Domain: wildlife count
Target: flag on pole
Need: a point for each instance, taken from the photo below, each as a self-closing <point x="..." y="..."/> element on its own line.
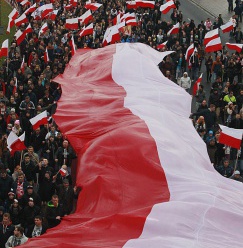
<point x="28" y="30"/>
<point x="213" y="34"/>
<point x="22" y="19"/>
<point x="189" y="51"/>
<point x="162" y="45"/>
<point x="92" y="6"/>
<point x="131" y="5"/>
<point x="234" y="46"/>
<point x="165" y="8"/>
<point x="72" y="23"/>
<point x="46" y="56"/>
<point x="227" y="27"/>
<point x="20" y="36"/>
<point x="22" y="65"/>
<point x="196" y="85"/>
<point x="214" y="45"/>
<point x="39" y="120"/>
<point x="63" y="172"/>
<point x="31" y="9"/>
<point x="145" y="4"/>
<point x="12" y="16"/>
<point x="230" y="136"/>
<point x="87" y="30"/>
<point x="174" y="29"/>
<point x="15" y="143"/>
<point x="72" y="46"/>
<point x="4" y="49"/>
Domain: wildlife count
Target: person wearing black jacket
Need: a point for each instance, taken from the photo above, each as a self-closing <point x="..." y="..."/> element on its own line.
<point x="6" y="229"/>
<point x="37" y="229"/>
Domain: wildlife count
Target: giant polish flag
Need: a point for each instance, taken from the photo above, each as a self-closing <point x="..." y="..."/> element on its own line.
<point x="213" y="34"/>
<point x="214" y="45"/>
<point x="39" y="120"/>
<point x="230" y="136"/>
<point x="120" y="115"/>
<point x="234" y="46"/>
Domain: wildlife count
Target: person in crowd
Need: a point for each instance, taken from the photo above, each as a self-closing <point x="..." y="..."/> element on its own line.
<point x="6" y="182"/>
<point x="237" y="177"/>
<point x="36" y="229"/>
<point x="17" y="239"/>
<point x="16" y="213"/>
<point x="30" y="194"/>
<point x="226" y="169"/>
<point x="185" y="82"/>
<point x="6" y="229"/>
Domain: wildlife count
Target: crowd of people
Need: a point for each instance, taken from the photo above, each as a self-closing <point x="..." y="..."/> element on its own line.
<point x="36" y="188"/>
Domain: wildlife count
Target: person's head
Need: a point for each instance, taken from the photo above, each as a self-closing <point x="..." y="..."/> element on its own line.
<point x="226" y="163"/>
<point x="48" y="174"/>
<point x="30" y="149"/>
<point x="45" y="162"/>
<point x="15" y="203"/>
<point x="55" y="200"/>
<point x="204" y="103"/>
<point x="65" y="183"/>
<point x="231" y="93"/>
<point x="210" y="133"/>
<point x="185" y="74"/>
<point x="201" y="87"/>
<point x="27" y="98"/>
<point x="27" y="159"/>
<point x="21" y="177"/>
<point x="212" y="107"/>
<point x="30" y="189"/>
<point x="31" y="202"/>
<point x="18" y="231"/>
<point x="6" y="219"/>
<point x="65" y="144"/>
<point x="237" y="174"/>
<point x="38" y="220"/>
<point x="3" y="173"/>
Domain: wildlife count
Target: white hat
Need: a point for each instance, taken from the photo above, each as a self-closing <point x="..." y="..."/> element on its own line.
<point x="237" y="172"/>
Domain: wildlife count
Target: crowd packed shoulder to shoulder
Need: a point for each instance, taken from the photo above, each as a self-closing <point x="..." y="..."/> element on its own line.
<point x="34" y="194"/>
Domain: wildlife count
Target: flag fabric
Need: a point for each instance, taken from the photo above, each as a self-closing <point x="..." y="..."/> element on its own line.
<point x="22" y="65"/>
<point x="92" y="6"/>
<point x="46" y="56"/>
<point x="132" y="22"/>
<point x="196" y="85"/>
<point x="227" y="27"/>
<point x="189" y="52"/>
<point x="174" y="29"/>
<point x="53" y="15"/>
<point x="15" y="143"/>
<point x="230" y="136"/>
<point x="22" y="19"/>
<point x="25" y="3"/>
<point x="12" y="16"/>
<point x="136" y="191"/>
<point x="20" y="36"/>
<point x="214" y="45"/>
<point x="39" y="120"/>
<point x="72" y="46"/>
<point x="111" y="35"/>
<point x="131" y="5"/>
<point x="145" y="4"/>
<point x="63" y="172"/>
<point x="31" y="9"/>
<point x="86" y="17"/>
<point x="43" y="29"/>
<point x="162" y="45"/>
<point x="28" y="30"/>
<point x="211" y="35"/>
<point x="72" y="23"/>
<point x="165" y="8"/>
<point x="4" y="49"/>
<point x="234" y="46"/>
<point x="74" y="3"/>
<point x="87" y="30"/>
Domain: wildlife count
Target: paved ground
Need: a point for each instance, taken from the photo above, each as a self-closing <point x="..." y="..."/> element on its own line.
<point x="215" y="7"/>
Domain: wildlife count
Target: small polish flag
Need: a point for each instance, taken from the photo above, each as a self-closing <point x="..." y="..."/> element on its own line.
<point x="214" y="45"/>
<point x="25" y="3"/>
<point x="22" y="65"/>
<point x="74" y="3"/>
<point x="234" y="46"/>
<point x="165" y="8"/>
<point x="230" y="136"/>
<point x="189" y="51"/>
<point x="46" y="9"/>
<point x="43" y="28"/>
<point x="72" y="23"/>
<point x="174" y="30"/>
<point x="92" y="6"/>
<point x="211" y="35"/>
<point x="162" y="45"/>
<point x="46" y="56"/>
<point x="53" y="15"/>
<point x="196" y="85"/>
<point x="68" y="7"/>
<point x="131" y="4"/>
<point x="63" y="172"/>
<point x="4" y="49"/>
<point x="22" y="19"/>
<point x="31" y="9"/>
<point x="87" y="30"/>
<point x="86" y="17"/>
<point x="227" y="27"/>
<point x="15" y="85"/>
<point x="20" y="36"/>
<point x="38" y="120"/>
<point x="15" y="143"/>
<point x="145" y="4"/>
<point x="72" y="45"/>
<point x="28" y="29"/>
<point x="12" y="16"/>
